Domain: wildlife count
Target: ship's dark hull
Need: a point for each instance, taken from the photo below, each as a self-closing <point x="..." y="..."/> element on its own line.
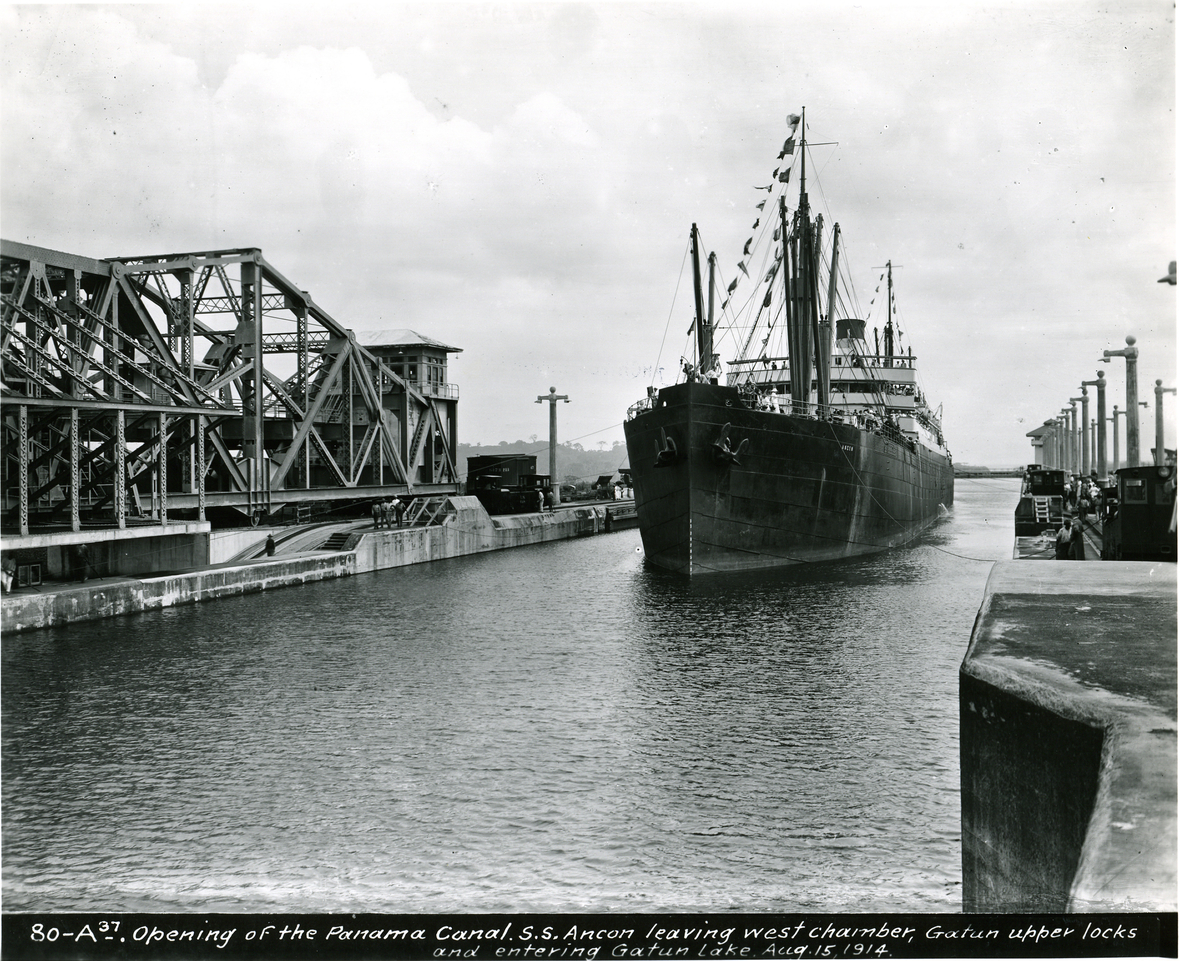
<point x="799" y="491"/>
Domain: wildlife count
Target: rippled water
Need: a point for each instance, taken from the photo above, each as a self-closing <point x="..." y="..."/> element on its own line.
<point x="554" y="728"/>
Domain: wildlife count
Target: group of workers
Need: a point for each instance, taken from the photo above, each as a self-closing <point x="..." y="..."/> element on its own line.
<point x="1071" y="541"/>
<point x="706" y="373"/>
<point x="1082" y="496"/>
<point x="386" y="513"/>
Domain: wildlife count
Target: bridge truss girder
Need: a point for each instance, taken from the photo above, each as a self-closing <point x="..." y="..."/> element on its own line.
<point x="197" y="373"/>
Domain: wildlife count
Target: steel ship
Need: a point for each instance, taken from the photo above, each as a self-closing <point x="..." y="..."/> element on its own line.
<point x="814" y="446"/>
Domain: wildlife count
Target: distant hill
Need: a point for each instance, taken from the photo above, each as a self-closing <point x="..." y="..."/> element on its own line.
<point x="575" y="463"/>
<point x="971" y="470"/>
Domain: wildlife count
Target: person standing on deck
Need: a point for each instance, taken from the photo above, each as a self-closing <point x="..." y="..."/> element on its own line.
<point x="1063" y="539"/>
<point x="1077" y="542"/>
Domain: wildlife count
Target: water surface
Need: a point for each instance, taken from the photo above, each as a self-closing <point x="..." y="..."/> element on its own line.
<point x="554" y="728"/>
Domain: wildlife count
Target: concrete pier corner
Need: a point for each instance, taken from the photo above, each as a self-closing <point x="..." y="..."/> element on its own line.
<point x="1067" y="702"/>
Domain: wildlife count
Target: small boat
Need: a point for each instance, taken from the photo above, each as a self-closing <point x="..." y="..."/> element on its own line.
<point x="1042" y="501"/>
<point x="816" y="445"/>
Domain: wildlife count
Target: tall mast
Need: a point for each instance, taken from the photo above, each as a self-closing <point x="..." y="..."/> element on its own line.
<point x="804" y="285"/>
<point x="704" y="337"/>
<point x="802" y="158"/>
<point x="814" y="344"/>
<point x="824" y="350"/>
<point x="788" y="293"/>
<point x="712" y="293"/>
<point x="889" y="316"/>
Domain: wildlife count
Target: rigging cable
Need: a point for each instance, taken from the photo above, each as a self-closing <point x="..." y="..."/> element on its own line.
<point x="655" y="370"/>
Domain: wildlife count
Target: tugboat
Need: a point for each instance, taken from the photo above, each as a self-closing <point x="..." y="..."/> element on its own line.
<point x="1042" y="501"/>
<point x="1039" y="513"/>
<point x="816" y="448"/>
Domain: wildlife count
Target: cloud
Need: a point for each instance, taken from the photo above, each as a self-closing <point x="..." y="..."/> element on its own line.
<point x="519" y="180"/>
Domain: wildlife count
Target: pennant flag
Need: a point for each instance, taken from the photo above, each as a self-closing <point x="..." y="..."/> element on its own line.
<point x="771" y="187"/>
<point x="776" y="232"/>
<point x="789" y="146"/>
<point x="766" y="302"/>
<point x="761" y="205"/>
<point x="732" y="286"/>
<point x="742" y="268"/>
<point x="770" y="273"/>
<point x="756" y="220"/>
<point x="782" y="153"/>
<point x="724" y="304"/>
<point x="785" y="176"/>
<point x="691" y="327"/>
<point x="746" y="249"/>
<point x="793" y="121"/>
<point x="776" y="170"/>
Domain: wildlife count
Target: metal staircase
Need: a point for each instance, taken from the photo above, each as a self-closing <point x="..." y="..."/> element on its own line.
<point x="424" y="421"/>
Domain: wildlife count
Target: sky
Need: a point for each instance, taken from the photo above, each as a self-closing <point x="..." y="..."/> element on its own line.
<point x="518" y="179"/>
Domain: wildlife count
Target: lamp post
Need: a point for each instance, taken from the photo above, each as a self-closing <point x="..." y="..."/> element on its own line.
<point x="1083" y="433"/>
<point x="1100" y="421"/>
<point x="1145" y="406"/>
<point x="1131" y="353"/>
<point x="553" y="397"/>
<point x="1050" y="445"/>
<point x="1047" y="444"/>
<point x="1114" y="420"/>
<point x="1074" y="453"/>
<point x="1160" y="390"/>
<point x="1067" y="437"/>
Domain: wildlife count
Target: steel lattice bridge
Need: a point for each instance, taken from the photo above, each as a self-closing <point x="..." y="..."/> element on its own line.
<point x="135" y="388"/>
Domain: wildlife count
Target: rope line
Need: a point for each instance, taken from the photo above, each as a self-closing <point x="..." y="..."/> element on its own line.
<point x="671" y="308"/>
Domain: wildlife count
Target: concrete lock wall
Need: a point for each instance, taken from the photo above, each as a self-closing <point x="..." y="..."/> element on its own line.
<point x="98" y="600"/>
<point x="102" y="557"/>
<point x="1067" y="701"/>
<point x="466" y="529"/>
<point x="1029" y="781"/>
<point x="169" y="552"/>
